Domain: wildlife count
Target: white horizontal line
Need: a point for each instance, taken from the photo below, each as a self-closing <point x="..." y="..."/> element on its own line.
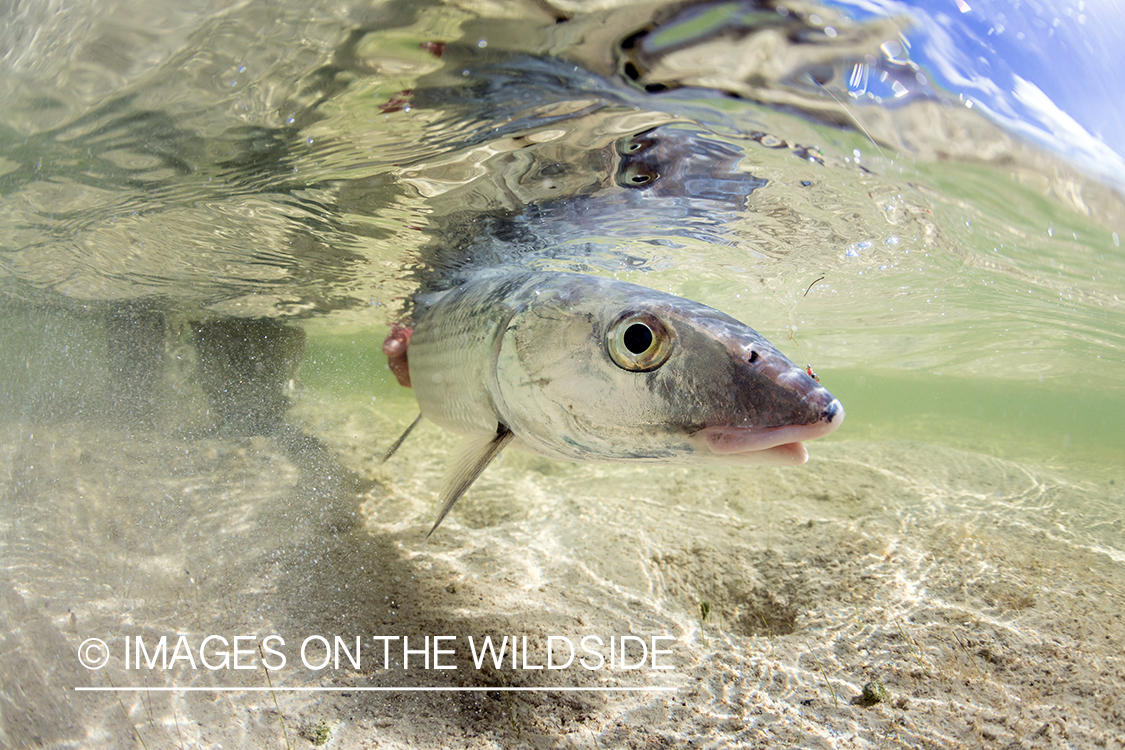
<point x="286" y="689"/>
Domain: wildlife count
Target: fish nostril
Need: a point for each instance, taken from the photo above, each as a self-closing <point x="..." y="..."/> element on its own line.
<point x="753" y="357"/>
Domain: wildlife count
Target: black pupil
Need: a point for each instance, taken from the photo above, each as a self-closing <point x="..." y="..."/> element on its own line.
<point x="638" y="338"/>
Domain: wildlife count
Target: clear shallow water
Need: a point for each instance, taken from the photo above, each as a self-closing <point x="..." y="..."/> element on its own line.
<point x="958" y="289"/>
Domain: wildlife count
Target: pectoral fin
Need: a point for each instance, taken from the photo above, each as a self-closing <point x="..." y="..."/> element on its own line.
<point x="475" y="456"/>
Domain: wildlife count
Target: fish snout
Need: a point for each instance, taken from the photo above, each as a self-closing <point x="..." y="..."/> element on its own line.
<point x="766" y="365"/>
<point x="778" y="406"/>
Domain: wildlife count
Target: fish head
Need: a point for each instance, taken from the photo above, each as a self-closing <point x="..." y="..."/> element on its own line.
<point x="597" y="369"/>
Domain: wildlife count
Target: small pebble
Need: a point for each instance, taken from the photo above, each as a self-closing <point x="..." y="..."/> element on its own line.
<point x="875" y="692"/>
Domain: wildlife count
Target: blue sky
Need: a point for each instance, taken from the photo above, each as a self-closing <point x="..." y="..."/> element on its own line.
<point x="1052" y="71"/>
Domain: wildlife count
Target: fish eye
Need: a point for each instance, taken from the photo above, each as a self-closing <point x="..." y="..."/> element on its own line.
<point x="639" y="342"/>
<point x="636" y="175"/>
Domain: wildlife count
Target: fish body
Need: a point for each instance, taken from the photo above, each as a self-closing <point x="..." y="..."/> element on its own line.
<point x="583" y="368"/>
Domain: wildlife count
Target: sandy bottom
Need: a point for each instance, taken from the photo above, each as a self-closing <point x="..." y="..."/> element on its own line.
<point x="986" y="597"/>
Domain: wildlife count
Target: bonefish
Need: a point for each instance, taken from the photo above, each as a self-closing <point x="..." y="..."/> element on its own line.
<point x="584" y="368"/>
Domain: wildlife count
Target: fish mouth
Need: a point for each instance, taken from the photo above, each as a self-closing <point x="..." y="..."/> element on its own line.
<point x="770" y="445"/>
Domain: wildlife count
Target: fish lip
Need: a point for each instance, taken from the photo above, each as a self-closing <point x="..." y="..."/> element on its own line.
<point x="781" y="444"/>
